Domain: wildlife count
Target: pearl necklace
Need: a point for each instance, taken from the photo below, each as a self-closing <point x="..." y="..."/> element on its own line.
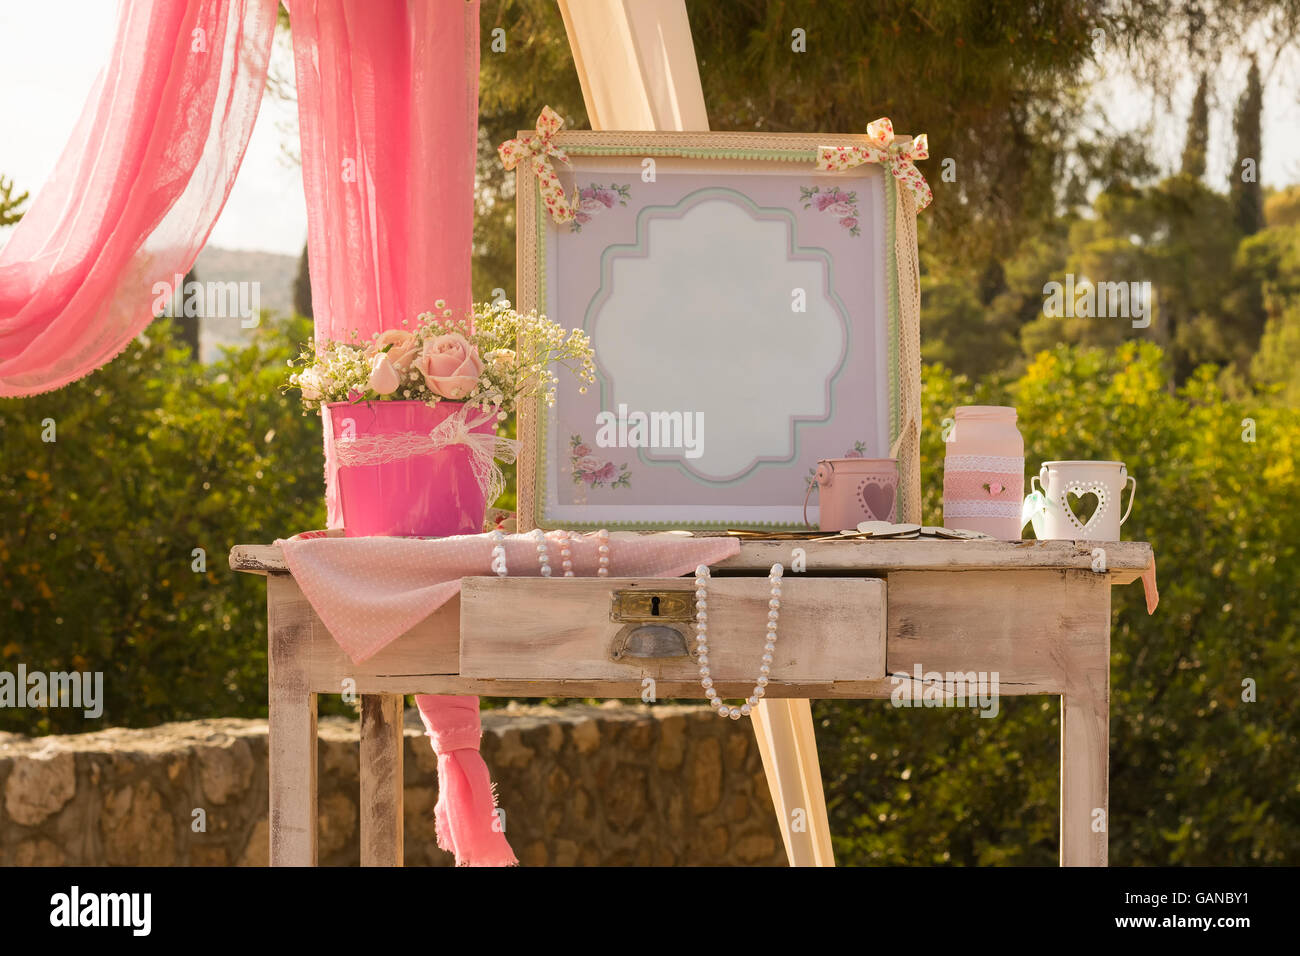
<point x="539" y="538"/>
<point x="702" y="643"/>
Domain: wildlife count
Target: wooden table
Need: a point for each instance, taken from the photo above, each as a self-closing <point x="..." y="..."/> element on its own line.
<point x="1035" y="613"/>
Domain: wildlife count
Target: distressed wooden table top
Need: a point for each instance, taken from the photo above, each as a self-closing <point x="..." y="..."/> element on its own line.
<point x="1125" y="560"/>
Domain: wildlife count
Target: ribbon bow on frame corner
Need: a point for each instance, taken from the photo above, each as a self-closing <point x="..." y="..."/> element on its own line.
<point x="899" y="154"/>
<point x="536" y="148"/>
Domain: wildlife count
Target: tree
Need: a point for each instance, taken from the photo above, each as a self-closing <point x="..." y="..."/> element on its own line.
<point x="121" y="497"/>
<point x="1198" y="124"/>
<point x="1244" y="188"/>
<point x="188" y="326"/>
<point x="1176" y="236"/>
<point x="302" y="286"/>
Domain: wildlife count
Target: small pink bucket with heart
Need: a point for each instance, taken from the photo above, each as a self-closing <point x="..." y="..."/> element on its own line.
<point x="853" y="490"/>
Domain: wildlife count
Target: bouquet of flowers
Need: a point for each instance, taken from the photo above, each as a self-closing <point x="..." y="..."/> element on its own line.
<point x="488" y="360"/>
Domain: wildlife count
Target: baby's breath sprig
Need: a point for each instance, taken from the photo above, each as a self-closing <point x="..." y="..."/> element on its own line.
<point x="517" y="354"/>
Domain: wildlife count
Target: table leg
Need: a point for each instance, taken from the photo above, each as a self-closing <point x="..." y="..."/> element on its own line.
<point x="1085" y="758"/>
<point x="1085" y="743"/>
<point x="788" y="745"/>
<point x="291" y="725"/>
<point x="381" y="779"/>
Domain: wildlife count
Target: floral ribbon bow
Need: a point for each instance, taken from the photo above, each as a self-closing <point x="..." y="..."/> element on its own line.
<point x="485" y="449"/>
<point x="538" y="148"/>
<point x="885" y="149"/>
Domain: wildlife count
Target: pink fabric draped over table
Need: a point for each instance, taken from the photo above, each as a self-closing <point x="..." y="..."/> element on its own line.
<point x="370" y="591"/>
<point x="136" y="190"/>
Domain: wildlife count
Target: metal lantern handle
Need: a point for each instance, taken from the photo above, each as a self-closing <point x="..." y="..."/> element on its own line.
<point x="1131" y="495"/>
<point x="817" y="480"/>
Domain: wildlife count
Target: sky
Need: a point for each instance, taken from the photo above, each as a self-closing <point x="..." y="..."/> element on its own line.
<point x="45" y="75"/>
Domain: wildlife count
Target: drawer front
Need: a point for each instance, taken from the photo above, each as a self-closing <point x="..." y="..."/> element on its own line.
<point x="831" y="629"/>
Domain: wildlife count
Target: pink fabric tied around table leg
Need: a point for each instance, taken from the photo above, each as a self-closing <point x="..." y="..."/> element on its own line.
<point x="467" y="823"/>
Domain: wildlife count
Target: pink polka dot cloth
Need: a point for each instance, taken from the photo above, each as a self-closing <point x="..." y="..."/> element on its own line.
<point x="371" y="591"/>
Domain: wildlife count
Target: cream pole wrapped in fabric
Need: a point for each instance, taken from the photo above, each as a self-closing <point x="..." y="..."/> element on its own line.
<point x="636" y="64"/>
<point x="662" y="91"/>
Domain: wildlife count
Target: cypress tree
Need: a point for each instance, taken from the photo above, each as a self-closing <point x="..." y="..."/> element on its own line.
<point x="1247" y="196"/>
<point x="302" y="287"/>
<point x="1197" y="125"/>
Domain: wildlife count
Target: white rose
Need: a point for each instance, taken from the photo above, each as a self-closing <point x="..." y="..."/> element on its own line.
<point x="310" y="383"/>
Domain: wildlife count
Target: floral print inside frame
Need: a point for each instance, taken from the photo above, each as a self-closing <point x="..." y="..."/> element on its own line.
<point x="834" y="202"/>
<point x="595" y="199"/>
<point x="591" y="471"/>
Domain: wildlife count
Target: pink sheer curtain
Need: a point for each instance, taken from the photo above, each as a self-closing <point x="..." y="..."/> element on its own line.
<point x="137" y="189"/>
<point x="388" y="117"/>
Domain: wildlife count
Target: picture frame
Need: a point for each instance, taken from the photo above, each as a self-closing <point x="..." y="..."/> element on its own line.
<point x="725" y="279"/>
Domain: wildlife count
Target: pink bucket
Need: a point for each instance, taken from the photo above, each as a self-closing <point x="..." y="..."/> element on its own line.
<point x="433" y="494"/>
<point x="853" y="490"/>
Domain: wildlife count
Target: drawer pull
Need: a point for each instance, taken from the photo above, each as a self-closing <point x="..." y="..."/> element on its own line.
<point x="649" y="640"/>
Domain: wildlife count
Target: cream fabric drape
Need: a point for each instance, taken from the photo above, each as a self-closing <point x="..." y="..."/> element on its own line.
<point x="636" y="63"/>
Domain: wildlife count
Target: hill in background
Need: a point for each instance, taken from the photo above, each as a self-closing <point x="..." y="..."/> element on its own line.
<point x="274" y="273"/>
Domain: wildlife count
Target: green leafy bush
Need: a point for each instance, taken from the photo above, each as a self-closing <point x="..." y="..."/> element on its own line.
<point x="154" y="456"/>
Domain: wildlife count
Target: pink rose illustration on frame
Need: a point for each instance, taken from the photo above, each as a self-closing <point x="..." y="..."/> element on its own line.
<point x="591" y="471"/>
<point x="595" y="199"/>
<point x="834" y="202"/>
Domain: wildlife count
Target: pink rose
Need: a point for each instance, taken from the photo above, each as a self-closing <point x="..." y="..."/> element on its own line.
<point x="595" y="198"/>
<point x="822" y="200"/>
<point x="582" y="217"/>
<point x="384" y="378"/>
<point x="404" y="348"/>
<point x="840" y="209"/>
<point x="581" y="451"/>
<point x="606" y="472"/>
<point x="848" y="222"/>
<point x="450" y="365"/>
<point x="586" y="466"/>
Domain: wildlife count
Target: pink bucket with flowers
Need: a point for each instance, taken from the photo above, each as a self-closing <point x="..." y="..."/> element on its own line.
<point x="410" y="417"/>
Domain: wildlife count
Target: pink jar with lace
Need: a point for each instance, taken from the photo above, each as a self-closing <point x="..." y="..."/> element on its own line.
<point x="984" y="472"/>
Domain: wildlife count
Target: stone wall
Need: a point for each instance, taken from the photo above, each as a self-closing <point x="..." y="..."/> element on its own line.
<point x="594" y="786"/>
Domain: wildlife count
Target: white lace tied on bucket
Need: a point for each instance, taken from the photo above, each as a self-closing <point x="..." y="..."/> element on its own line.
<point x="484" y="449"/>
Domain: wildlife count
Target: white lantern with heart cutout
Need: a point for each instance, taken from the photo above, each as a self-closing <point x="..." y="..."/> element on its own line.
<point x="1067" y="485"/>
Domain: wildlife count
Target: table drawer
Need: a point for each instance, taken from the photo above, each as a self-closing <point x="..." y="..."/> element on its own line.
<point x="831" y="629"/>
